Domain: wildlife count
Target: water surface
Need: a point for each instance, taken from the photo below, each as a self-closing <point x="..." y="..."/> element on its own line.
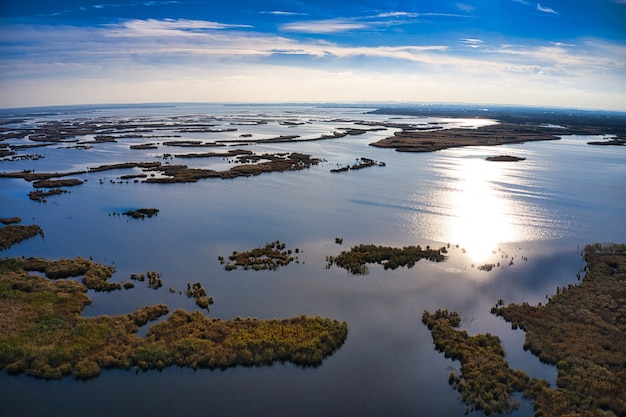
<point x="543" y="209"/>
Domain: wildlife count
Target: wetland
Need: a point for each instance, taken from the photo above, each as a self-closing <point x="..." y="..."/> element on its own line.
<point x="71" y="311"/>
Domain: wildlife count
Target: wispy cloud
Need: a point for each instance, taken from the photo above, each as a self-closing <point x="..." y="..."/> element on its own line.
<point x="323" y="26"/>
<point x="465" y="7"/>
<point x="216" y="55"/>
<point x="471" y="42"/>
<point x="546" y="9"/>
<point x="368" y="22"/>
<point x="284" y="13"/>
<point x="397" y="14"/>
<point x="168" y="27"/>
<point x="195" y="43"/>
<point x="541" y="8"/>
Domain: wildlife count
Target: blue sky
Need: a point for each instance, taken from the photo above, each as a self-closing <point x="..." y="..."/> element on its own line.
<point x="567" y="53"/>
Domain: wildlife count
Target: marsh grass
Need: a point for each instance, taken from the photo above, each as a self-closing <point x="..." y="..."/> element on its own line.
<point x="13" y="233"/>
<point x="355" y="259"/>
<point x="269" y="257"/>
<point x="42" y="333"/>
<point x="581" y="330"/>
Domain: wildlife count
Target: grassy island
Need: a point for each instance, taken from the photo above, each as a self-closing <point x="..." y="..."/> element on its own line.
<point x="141" y="213"/>
<point x="361" y="163"/>
<point x="42" y="196"/>
<point x="13" y="233"/>
<point x="70" y="182"/>
<point x="198" y="292"/>
<point x="505" y="158"/>
<point x="355" y="259"/>
<point x="581" y="330"/>
<point x="42" y="333"/>
<point x="272" y="256"/>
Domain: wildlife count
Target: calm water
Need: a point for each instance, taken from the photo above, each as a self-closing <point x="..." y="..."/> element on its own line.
<point x="546" y="208"/>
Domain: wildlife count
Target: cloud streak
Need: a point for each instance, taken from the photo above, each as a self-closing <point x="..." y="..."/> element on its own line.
<point x="545" y="9"/>
<point x="323" y="26"/>
<point x="168" y="27"/>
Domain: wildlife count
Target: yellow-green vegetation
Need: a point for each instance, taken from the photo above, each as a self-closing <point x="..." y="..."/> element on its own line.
<point x="13" y="233"/>
<point x="155" y="279"/>
<point x="355" y="259"/>
<point x="486" y="382"/>
<point x="95" y="275"/>
<point x="42" y="333"/>
<point x="198" y="292"/>
<point x="581" y="330"/>
<point x="272" y="256"/>
<point x="191" y="339"/>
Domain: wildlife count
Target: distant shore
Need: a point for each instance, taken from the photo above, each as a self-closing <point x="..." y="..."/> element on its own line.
<point x="410" y="140"/>
<point x="514" y="127"/>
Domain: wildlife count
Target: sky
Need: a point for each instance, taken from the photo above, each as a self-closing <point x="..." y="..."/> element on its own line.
<point x="563" y="53"/>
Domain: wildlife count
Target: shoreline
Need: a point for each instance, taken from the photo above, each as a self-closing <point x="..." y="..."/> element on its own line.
<point x="411" y="140"/>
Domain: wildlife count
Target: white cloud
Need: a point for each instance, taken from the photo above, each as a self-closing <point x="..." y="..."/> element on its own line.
<point x="284" y="13"/>
<point x="397" y="14"/>
<point x="170" y="60"/>
<point x="472" y="42"/>
<point x="323" y="26"/>
<point x="545" y="9"/>
<point x="167" y="27"/>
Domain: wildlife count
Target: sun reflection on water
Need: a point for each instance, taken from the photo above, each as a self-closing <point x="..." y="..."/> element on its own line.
<point x="480" y="215"/>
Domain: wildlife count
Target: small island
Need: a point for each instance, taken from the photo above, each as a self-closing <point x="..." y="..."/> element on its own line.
<point x="42" y="196"/>
<point x="10" y="234"/>
<point x="269" y="257"/>
<point x="504" y="158"/>
<point x="617" y="141"/>
<point x="355" y="259"/>
<point x="361" y="163"/>
<point x="141" y="213"/>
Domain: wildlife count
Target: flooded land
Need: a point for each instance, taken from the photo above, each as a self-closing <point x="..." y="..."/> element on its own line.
<point x="226" y="256"/>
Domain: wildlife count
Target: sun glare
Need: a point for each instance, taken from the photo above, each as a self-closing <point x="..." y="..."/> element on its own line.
<point x="480" y="218"/>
